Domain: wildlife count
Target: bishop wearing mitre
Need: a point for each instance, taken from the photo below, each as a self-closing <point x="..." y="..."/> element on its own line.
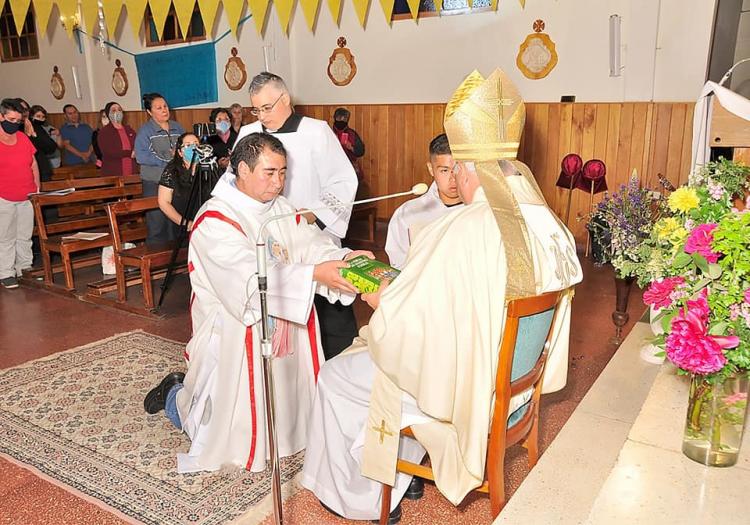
<point x="429" y="356"/>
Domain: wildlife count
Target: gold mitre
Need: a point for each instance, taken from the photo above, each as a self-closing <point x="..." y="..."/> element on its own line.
<point x="484" y="118"/>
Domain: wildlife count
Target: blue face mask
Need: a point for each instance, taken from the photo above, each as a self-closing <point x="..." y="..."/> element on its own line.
<point x="222" y="126"/>
<point x="187" y="153"/>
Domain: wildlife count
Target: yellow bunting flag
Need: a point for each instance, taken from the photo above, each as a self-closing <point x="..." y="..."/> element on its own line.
<point x="439" y="5"/>
<point x="136" y="11"/>
<point x="493" y="5"/>
<point x="334" y="6"/>
<point x="112" y="10"/>
<point x="360" y="6"/>
<point x="234" y="9"/>
<point x="387" y="7"/>
<point x="90" y="13"/>
<point x="208" y="14"/>
<point x="68" y="12"/>
<point x="310" y="9"/>
<point x="414" y="7"/>
<point x="19" y="8"/>
<point x="523" y="3"/>
<point x="42" y="10"/>
<point x="184" y="11"/>
<point x="159" y="11"/>
<point x="284" y="12"/>
<point x="258" y="8"/>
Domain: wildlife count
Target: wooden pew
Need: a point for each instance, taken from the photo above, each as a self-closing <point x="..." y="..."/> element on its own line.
<point x="146" y="257"/>
<point x="88" y="183"/>
<point x="51" y="235"/>
<point x="80" y="171"/>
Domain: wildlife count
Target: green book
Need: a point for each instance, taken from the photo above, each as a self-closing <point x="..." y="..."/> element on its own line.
<point x="366" y="274"/>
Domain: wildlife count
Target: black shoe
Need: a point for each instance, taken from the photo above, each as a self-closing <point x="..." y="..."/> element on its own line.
<point x="157" y="397"/>
<point x="394" y="517"/>
<point x="415" y="490"/>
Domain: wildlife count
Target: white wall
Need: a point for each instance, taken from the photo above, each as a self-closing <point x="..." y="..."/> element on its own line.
<point x="665" y="50"/>
<point x="30" y="79"/>
<point x="424" y="62"/>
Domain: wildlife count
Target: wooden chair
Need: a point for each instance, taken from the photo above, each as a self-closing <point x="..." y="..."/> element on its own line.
<point x="523" y="355"/>
<point x="52" y="236"/>
<point x="145" y="257"/>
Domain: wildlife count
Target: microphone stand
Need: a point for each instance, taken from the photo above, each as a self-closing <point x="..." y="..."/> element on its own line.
<point x="265" y="342"/>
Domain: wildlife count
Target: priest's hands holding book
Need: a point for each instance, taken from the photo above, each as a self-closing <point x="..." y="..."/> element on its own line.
<point x="329" y="274"/>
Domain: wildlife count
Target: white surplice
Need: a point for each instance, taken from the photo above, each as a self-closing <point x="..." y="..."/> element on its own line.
<point x="409" y="219"/>
<point x="222" y="405"/>
<point x="318" y="171"/>
<point x="456" y="265"/>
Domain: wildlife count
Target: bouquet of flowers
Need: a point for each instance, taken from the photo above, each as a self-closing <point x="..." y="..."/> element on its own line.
<point x="696" y="262"/>
<point x="629" y="215"/>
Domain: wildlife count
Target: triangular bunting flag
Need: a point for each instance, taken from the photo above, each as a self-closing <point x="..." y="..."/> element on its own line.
<point x="258" y="8"/>
<point x="310" y="9"/>
<point x="334" y="6"/>
<point x="439" y="6"/>
<point x="284" y="12"/>
<point x="208" y="14"/>
<point x="90" y="13"/>
<point x="42" y="10"/>
<point x="136" y="12"/>
<point x="360" y="6"/>
<point x="523" y="3"/>
<point x="184" y="11"/>
<point x="19" y="8"/>
<point x="387" y="7"/>
<point x="159" y="12"/>
<point x="233" y="9"/>
<point x="414" y="7"/>
<point x="112" y="10"/>
<point x="68" y="9"/>
<point x="493" y="5"/>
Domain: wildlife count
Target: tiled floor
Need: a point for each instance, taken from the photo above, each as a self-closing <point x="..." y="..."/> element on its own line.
<point x="34" y="324"/>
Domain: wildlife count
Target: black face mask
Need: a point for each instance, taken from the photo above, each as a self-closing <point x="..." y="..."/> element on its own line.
<point x="10" y="127"/>
<point x="340" y="125"/>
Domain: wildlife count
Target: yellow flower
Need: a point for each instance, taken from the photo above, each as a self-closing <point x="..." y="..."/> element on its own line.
<point x="665" y="227"/>
<point x="683" y="200"/>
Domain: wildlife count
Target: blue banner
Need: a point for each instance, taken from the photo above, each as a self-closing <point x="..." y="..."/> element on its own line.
<point x="185" y="76"/>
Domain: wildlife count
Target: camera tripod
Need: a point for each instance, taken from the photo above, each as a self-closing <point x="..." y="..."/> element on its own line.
<point x="205" y="178"/>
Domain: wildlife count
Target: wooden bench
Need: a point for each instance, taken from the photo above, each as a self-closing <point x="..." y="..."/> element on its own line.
<point x="52" y="235"/>
<point x="79" y="171"/>
<point x="88" y="183"/>
<point x="146" y="257"/>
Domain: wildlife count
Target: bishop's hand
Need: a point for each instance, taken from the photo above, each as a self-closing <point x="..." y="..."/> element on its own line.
<point x="328" y="274"/>
<point x="373" y="299"/>
<point x="351" y="255"/>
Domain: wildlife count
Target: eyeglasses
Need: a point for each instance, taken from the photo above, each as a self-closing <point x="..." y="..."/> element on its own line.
<point x="264" y="109"/>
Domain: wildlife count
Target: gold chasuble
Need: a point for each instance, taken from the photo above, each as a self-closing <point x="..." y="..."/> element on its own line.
<point x="443" y="352"/>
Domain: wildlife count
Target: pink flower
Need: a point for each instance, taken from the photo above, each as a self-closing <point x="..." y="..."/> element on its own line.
<point x="699" y="241"/>
<point x="735" y="398"/>
<point x="691" y="348"/>
<point x="747" y="296"/>
<point x="659" y="293"/>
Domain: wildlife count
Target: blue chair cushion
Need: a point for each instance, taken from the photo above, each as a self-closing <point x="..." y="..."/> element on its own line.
<point x="518" y="414"/>
<point x="532" y="334"/>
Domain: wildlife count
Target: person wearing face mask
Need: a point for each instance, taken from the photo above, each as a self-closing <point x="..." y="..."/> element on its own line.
<point x="154" y="147"/>
<point x="42" y="142"/>
<point x="19" y="174"/>
<point x="39" y="116"/>
<point x="175" y="184"/>
<point x="224" y="138"/>
<point x="116" y="142"/>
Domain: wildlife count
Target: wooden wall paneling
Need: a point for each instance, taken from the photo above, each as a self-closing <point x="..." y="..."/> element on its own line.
<point x="613" y="142"/>
<point x="563" y="148"/>
<point x="687" y="148"/>
<point x="552" y="158"/>
<point x="624" y="140"/>
<point x="675" y="145"/>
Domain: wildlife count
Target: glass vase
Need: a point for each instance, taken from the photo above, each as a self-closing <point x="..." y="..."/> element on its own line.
<point x="715" y="419"/>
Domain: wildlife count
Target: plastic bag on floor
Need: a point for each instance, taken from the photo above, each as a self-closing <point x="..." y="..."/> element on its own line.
<point x="108" y="258"/>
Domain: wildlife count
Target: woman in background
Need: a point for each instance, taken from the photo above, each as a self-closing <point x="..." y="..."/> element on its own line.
<point x="175" y="184"/>
<point x="154" y="148"/>
<point x="116" y="143"/>
<point x="103" y="122"/>
<point x="223" y="141"/>
<point x="39" y="116"/>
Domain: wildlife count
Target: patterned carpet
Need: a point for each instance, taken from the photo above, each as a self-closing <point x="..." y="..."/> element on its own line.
<point x="78" y="417"/>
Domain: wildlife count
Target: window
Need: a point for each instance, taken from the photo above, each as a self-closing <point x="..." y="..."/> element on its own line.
<point x="172" y="33"/>
<point x="427" y="8"/>
<point x="14" y="47"/>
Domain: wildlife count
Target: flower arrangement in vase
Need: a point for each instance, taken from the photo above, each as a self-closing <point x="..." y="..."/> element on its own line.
<point x="696" y="263"/>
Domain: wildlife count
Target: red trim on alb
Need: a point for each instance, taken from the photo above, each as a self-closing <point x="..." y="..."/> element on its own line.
<point x="313" y="336"/>
<point x="249" y="352"/>
<point x="191" y="267"/>
<point x="213" y="214"/>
